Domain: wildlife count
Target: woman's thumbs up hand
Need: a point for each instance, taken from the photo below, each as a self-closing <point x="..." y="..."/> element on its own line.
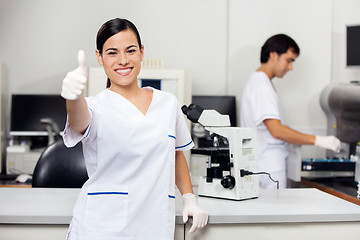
<point x="74" y="83"/>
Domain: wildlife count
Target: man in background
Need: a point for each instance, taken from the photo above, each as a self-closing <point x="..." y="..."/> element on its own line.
<point x="260" y="109"/>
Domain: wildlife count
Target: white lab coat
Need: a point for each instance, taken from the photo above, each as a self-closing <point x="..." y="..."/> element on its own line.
<point x="130" y="159"/>
<point x="260" y="102"/>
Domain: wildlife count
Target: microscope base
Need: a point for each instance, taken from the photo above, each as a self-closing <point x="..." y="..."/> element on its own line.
<point x="214" y="189"/>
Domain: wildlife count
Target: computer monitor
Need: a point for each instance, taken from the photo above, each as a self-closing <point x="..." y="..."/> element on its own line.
<point x="223" y="104"/>
<point x="352" y="46"/>
<point x="28" y="109"/>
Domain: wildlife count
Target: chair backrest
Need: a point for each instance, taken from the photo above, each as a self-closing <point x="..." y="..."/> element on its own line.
<point x="60" y="167"/>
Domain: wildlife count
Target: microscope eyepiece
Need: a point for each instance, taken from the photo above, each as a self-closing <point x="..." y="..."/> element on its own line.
<point x="192" y="112"/>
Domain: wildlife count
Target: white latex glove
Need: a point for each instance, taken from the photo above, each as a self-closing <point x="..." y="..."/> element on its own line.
<point x="328" y="142"/>
<point x="200" y="217"/>
<point x="75" y="81"/>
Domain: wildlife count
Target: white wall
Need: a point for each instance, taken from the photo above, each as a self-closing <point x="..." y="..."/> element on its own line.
<point x="40" y="38"/>
<point x="217" y="40"/>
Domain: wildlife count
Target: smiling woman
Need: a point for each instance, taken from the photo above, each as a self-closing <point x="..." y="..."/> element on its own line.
<point x="111" y="28"/>
<point x="121" y="60"/>
<point x="132" y="150"/>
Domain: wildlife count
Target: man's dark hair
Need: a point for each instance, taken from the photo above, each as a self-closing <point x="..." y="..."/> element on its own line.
<point x="279" y="43"/>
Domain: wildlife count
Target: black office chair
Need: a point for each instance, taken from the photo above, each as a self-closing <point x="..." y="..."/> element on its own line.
<point x="60" y="167"/>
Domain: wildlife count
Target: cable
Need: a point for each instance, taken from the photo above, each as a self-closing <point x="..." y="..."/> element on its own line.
<point x="244" y="173"/>
<point x="184" y="230"/>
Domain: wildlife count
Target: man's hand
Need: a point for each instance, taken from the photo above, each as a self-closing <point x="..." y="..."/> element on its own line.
<point x="328" y="142"/>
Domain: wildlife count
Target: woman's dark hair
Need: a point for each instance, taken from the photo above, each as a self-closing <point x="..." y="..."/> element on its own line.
<point x="109" y="29"/>
<point x="279" y="43"/>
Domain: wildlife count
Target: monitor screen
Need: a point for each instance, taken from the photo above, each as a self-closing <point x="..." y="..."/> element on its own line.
<point x="155" y="83"/>
<point x="223" y="104"/>
<point x="27" y="110"/>
<point x="353" y="46"/>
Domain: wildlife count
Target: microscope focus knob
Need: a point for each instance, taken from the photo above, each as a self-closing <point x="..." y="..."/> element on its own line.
<point x="228" y="182"/>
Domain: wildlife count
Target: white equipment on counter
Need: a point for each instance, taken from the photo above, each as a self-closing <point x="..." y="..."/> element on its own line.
<point x="19" y="159"/>
<point x="228" y="167"/>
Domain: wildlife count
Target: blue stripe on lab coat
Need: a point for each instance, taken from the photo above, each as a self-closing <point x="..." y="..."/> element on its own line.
<point x="184" y="145"/>
<point x="104" y="193"/>
<point x="180" y="146"/>
<point x="172" y="136"/>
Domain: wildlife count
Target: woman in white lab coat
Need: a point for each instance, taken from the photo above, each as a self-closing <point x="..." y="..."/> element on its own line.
<point x="133" y="140"/>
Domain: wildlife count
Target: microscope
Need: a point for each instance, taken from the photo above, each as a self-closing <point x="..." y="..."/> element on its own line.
<point x="231" y="160"/>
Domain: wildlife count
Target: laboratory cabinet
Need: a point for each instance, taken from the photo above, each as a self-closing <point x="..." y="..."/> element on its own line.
<point x="302" y="213"/>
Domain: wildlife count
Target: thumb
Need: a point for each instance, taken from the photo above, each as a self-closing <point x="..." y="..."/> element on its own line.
<point x="82" y="62"/>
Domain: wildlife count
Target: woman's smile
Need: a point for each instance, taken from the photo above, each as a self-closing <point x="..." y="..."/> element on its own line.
<point x="124" y="71"/>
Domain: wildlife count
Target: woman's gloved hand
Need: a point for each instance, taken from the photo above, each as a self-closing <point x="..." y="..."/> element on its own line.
<point x="328" y="142"/>
<point x="200" y="217"/>
<point x="75" y="81"/>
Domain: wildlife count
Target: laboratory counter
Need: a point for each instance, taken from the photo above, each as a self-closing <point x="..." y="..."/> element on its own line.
<point x="37" y="213"/>
<point x="342" y="187"/>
